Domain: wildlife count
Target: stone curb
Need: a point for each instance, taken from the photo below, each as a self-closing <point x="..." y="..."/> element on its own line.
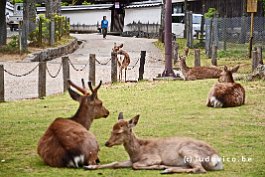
<point x="52" y="53"/>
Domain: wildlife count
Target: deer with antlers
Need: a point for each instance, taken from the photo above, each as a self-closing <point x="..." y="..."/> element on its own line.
<point x="123" y="60"/>
<point x="173" y="155"/>
<point x="226" y="93"/>
<point x="67" y="141"/>
<point x="197" y="72"/>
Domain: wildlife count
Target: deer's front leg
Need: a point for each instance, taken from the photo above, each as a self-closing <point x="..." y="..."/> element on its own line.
<point x="149" y="164"/>
<point x="124" y="164"/>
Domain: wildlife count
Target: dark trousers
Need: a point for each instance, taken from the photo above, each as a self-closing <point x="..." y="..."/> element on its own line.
<point x="104" y="32"/>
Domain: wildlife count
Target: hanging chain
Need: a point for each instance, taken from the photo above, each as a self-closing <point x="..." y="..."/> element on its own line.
<point x="21" y="75"/>
<point x="57" y="73"/>
<point x="103" y="63"/>
<point x="76" y="69"/>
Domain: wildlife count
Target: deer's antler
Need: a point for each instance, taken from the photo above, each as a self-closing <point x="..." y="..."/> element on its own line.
<point x="82" y="90"/>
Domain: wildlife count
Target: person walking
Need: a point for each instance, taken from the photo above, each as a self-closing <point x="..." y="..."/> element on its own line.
<point x="104" y="26"/>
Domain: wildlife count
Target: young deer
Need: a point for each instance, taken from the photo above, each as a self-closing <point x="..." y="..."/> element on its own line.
<point x="198" y="72"/>
<point x="173" y="155"/>
<point x="67" y="142"/>
<point x="226" y="93"/>
<point x="123" y="60"/>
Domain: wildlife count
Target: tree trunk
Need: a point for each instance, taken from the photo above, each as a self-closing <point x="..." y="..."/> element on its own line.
<point x="25" y="25"/>
<point x="59" y="7"/>
<point x="3" y="31"/>
<point x="48" y="6"/>
<point x="32" y="15"/>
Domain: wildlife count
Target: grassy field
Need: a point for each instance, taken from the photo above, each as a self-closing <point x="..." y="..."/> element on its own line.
<point x="175" y="108"/>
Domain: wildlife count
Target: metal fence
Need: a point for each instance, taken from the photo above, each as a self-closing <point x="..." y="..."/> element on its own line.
<point x="233" y="34"/>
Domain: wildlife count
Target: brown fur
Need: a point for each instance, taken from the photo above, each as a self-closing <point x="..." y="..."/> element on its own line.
<point x="67" y="139"/>
<point x="226" y="93"/>
<point x="165" y="153"/>
<point x="123" y="60"/>
<point x="198" y="72"/>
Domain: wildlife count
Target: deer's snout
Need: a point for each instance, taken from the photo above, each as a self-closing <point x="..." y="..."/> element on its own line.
<point x="106" y="113"/>
<point x="107" y="144"/>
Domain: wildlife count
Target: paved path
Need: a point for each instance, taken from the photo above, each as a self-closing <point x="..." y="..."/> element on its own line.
<point x="27" y="86"/>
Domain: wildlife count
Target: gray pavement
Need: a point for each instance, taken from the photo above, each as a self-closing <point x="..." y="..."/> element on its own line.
<point x="27" y="86"/>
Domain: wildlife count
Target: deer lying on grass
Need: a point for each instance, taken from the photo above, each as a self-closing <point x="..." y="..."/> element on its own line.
<point x="67" y="142"/>
<point x="123" y="60"/>
<point x="226" y="93"/>
<point x="198" y="72"/>
<point x="173" y="155"/>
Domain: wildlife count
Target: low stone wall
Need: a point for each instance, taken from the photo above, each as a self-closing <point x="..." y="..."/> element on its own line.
<point x="51" y="53"/>
<point x="140" y="34"/>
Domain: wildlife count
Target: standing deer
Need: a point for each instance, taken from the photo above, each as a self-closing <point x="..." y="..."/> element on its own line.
<point x="226" y="93"/>
<point x="67" y="142"/>
<point x="173" y="155"/>
<point x="198" y="72"/>
<point x="123" y="60"/>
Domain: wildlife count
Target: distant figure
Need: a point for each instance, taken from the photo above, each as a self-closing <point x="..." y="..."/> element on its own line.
<point x="104" y="26"/>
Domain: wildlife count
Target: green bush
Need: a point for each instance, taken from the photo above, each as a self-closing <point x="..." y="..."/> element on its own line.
<point x="11" y="47"/>
<point x="211" y="12"/>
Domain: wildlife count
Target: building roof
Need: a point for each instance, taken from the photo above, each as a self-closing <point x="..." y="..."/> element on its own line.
<point x="144" y="4"/>
<point x="80" y="7"/>
<point x="174" y="1"/>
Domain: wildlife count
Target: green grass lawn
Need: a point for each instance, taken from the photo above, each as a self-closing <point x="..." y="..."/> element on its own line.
<point x="175" y="108"/>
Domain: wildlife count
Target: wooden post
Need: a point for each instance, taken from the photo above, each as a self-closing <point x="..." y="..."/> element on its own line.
<point x="214" y="55"/>
<point x="251" y="34"/>
<point x="2" y="83"/>
<point x="42" y="79"/>
<point x="66" y="72"/>
<point x="113" y="67"/>
<point x="189" y="31"/>
<point x="259" y="51"/>
<point x="197" y="60"/>
<point x="141" y="68"/>
<point x="254" y="60"/>
<point x="92" y="69"/>
<point x="210" y="43"/>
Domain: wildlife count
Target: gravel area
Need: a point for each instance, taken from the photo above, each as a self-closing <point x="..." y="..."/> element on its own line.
<point x="27" y="86"/>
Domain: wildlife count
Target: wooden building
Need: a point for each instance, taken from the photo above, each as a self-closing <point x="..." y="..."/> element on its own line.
<point x="228" y="8"/>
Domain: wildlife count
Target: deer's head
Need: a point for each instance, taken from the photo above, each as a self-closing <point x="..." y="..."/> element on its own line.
<point x="121" y="130"/>
<point x="116" y="47"/>
<point x="227" y="74"/>
<point x="88" y="101"/>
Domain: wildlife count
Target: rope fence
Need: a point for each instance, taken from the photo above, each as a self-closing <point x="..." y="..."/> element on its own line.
<point x="46" y="68"/>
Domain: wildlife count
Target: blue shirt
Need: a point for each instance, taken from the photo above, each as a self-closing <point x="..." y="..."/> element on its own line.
<point x="104" y="24"/>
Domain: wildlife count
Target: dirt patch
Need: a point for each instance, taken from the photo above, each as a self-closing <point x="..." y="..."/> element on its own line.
<point x="12" y="57"/>
<point x="17" y="57"/>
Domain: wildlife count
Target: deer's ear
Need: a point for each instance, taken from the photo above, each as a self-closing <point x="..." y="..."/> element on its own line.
<point x="133" y="122"/>
<point x="74" y="95"/>
<point x="234" y="69"/>
<point x="120" y="117"/>
<point x="121" y="46"/>
<point x="225" y="68"/>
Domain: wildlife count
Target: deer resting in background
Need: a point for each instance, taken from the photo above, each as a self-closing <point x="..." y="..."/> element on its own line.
<point x="67" y="142"/>
<point x="123" y="60"/>
<point x="226" y="93"/>
<point x="173" y="155"/>
<point x="198" y="72"/>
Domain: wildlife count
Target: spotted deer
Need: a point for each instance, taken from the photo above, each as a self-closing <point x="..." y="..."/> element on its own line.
<point x="226" y="93"/>
<point x="197" y="72"/>
<point x="67" y="141"/>
<point x="173" y="155"/>
<point x="123" y="60"/>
